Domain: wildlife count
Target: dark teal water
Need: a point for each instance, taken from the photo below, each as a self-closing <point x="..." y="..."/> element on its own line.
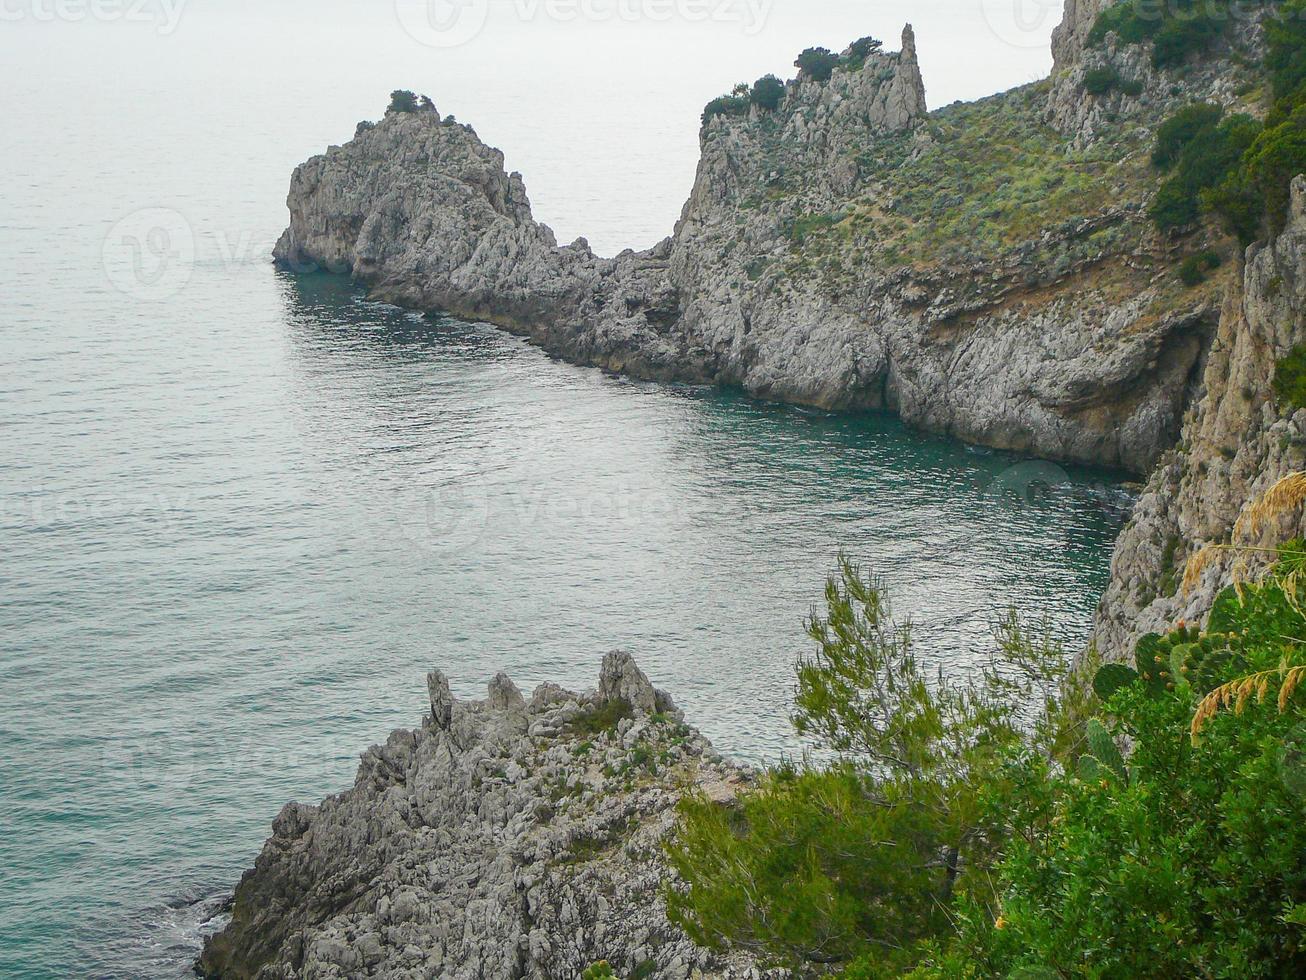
<point x="242" y="516"/>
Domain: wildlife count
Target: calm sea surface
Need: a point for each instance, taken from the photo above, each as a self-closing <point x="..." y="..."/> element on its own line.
<point x="243" y="514"/>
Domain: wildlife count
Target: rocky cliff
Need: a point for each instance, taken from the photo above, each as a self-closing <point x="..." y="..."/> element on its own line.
<point x="986" y="270"/>
<point x="502" y="838"/>
<point x="1236" y="443"/>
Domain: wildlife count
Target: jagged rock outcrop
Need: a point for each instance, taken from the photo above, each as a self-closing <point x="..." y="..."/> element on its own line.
<point x="422" y="211"/>
<point x="503" y="838"/>
<point x="1143" y="93"/>
<point x="1236" y="443"/>
<point x="1070" y="37"/>
<point x="788" y="276"/>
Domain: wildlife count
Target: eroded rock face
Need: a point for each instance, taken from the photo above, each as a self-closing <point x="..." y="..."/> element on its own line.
<point x="1065" y="346"/>
<point x="503" y="838"/>
<point x="1086" y="118"/>
<point x="1236" y="443"/>
<point x="422" y="212"/>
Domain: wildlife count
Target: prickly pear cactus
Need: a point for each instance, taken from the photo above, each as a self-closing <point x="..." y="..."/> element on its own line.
<point x="1102" y="747"/>
<point x="1183" y="661"/>
<point x="1111" y="678"/>
<point x="1152" y="655"/>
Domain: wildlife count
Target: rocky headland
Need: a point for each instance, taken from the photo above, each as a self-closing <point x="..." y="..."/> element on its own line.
<point x="509" y="837"/>
<point x="970" y="269"/>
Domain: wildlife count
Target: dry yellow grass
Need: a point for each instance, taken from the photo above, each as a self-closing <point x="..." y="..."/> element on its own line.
<point x="1285" y="496"/>
<point x="1238" y="692"/>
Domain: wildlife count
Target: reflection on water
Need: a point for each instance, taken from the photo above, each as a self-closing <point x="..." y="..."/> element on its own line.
<point x="236" y="570"/>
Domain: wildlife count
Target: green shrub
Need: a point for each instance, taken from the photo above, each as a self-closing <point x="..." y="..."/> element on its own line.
<point x="1237" y="168"/>
<point x="860" y="50"/>
<point x="817" y="63"/>
<point x="1255" y="192"/>
<point x="1290" y="380"/>
<point x="811" y="866"/>
<point x="402" y="100"/>
<point x="1178" y="28"/>
<point x="969" y="830"/>
<point x="768" y="92"/>
<point x="1182" y="36"/>
<point x="1204" y="163"/>
<point x="1192" y="271"/>
<point x="604" y="718"/>
<point x="1192" y="865"/>
<point x="1176" y="133"/>
<point x="1285" y="37"/>
<point x="1133" y="21"/>
<point x="820" y="864"/>
<point x="726" y="105"/>
<point x="1276" y="156"/>
<point x="1099" y="81"/>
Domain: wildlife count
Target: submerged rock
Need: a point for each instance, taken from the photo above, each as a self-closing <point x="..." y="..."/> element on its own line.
<point x="503" y="838"/>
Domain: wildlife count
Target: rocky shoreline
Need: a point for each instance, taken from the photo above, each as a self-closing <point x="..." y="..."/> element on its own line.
<point x="508" y="837"/>
<point x="781" y="277"/>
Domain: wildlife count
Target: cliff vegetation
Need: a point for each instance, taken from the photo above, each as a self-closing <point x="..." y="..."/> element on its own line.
<point x="1011" y="826"/>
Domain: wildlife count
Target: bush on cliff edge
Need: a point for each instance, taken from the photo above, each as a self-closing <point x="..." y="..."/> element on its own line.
<point x="823" y="862"/>
<point x="1239" y="168"/>
<point x="989" y="828"/>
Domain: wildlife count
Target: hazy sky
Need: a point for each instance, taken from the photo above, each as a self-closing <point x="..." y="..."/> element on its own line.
<point x="595" y="101"/>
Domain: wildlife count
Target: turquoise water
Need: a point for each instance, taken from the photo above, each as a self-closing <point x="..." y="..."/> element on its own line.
<point x="242" y="515"/>
<point x="231" y="560"/>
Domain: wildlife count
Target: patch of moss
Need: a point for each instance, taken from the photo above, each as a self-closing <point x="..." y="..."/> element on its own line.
<point x="604" y="718"/>
<point x="1290" y="380"/>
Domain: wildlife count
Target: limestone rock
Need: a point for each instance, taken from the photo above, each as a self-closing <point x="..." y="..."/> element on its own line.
<point x="1236" y="443"/>
<point x="486" y="852"/>
<point x="1018" y="348"/>
<point x="621" y="679"/>
<point x="441" y="699"/>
